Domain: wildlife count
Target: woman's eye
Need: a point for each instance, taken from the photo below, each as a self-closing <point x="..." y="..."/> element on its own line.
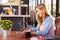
<point x="40" y="8"/>
<point x="36" y="11"/>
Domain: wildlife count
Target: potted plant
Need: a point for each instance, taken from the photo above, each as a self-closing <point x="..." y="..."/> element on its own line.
<point x="6" y="25"/>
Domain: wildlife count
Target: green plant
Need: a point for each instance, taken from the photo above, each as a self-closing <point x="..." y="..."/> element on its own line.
<point x="6" y="24"/>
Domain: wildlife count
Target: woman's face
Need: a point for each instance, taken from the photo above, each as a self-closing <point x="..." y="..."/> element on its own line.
<point x="39" y="12"/>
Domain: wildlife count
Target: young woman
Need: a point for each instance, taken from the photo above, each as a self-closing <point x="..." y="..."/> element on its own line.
<point x="45" y="27"/>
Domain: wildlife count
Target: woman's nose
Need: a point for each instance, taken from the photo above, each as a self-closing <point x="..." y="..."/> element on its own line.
<point x="38" y="13"/>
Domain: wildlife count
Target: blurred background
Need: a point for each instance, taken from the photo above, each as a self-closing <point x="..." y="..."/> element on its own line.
<point x="21" y="13"/>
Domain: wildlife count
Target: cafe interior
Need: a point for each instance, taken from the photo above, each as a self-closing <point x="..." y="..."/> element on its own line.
<point x="21" y="14"/>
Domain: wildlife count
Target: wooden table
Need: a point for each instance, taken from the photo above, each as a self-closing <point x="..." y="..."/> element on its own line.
<point x="15" y="35"/>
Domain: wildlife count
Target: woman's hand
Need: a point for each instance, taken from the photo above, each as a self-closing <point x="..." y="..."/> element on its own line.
<point x="33" y="33"/>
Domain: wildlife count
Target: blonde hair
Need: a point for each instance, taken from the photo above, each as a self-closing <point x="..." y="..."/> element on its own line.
<point x="38" y="18"/>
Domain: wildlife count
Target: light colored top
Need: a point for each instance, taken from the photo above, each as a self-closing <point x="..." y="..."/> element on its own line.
<point x="47" y="29"/>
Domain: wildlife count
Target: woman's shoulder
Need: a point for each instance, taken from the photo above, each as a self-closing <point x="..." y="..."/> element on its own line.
<point x="49" y="18"/>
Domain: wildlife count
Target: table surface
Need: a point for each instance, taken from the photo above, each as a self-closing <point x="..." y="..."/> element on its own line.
<point x="15" y="35"/>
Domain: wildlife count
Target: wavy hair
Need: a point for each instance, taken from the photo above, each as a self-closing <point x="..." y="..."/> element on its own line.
<point x="45" y="13"/>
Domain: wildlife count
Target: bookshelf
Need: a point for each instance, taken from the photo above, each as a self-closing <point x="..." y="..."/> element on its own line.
<point x="18" y="14"/>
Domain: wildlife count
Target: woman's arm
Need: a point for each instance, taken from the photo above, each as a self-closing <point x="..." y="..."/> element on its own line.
<point x="34" y="29"/>
<point x="46" y="27"/>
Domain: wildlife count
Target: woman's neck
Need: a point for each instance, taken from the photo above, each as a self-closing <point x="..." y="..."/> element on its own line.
<point x="46" y="16"/>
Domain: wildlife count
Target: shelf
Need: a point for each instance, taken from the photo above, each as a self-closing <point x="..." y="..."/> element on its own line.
<point x="15" y="2"/>
<point x="24" y="5"/>
<point x="14" y="15"/>
<point x="16" y="5"/>
<point x="9" y="5"/>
